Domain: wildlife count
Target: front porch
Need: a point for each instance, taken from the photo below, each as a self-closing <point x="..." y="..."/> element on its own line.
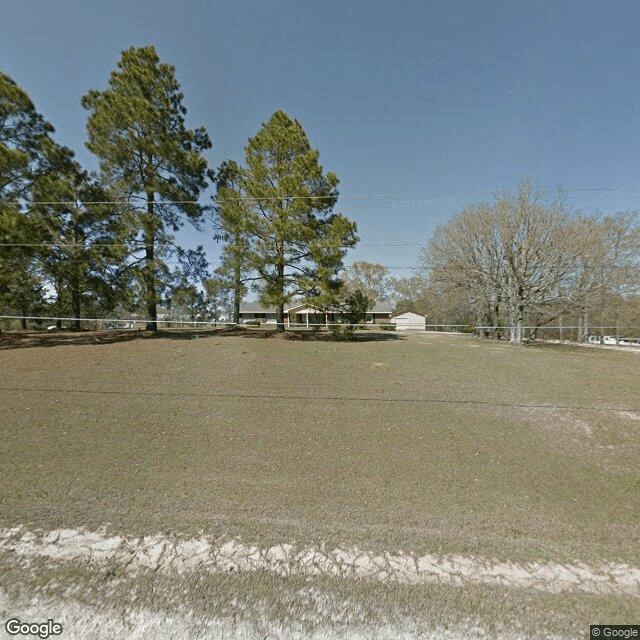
<point x="306" y="315"/>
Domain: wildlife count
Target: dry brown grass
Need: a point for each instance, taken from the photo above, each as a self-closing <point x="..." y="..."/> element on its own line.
<point x="418" y="442"/>
<point x="424" y="443"/>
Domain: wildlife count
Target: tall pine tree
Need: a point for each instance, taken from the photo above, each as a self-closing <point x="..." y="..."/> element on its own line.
<point x="84" y="242"/>
<point x="137" y="129"/>
<point x="297" y="242"/>
<point x="28" y="156"/>
<point x="233" y="221"/>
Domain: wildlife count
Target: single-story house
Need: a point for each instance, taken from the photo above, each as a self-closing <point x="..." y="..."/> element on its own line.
<point x="409" y="320"/>
<point x="303" y="314"/>
<point x="380" y="314"/>
<point x="250" y="311"/>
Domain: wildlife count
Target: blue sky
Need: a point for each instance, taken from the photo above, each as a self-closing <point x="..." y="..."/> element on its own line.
<point x="419" y="107"/>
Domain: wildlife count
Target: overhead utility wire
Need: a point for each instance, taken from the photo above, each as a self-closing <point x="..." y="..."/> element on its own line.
<point x="288" y="197"/>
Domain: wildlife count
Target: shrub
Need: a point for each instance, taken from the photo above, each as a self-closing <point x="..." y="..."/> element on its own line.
<point x="252" y="323"/>
<point x="342" y="332"/>
<point x="388" y="327"/>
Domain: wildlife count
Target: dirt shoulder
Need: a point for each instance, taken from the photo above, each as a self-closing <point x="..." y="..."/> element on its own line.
<point x="163" y="554"/>
<point x="105" y="586"/>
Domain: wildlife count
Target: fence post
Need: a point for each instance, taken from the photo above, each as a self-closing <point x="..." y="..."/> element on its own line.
<point x="560" y="329"/>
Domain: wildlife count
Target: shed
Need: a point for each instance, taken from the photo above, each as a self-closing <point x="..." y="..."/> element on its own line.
<point x="409" y="320"/>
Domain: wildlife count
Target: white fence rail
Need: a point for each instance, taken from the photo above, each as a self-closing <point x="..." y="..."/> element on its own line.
<point x="614" y="330"/>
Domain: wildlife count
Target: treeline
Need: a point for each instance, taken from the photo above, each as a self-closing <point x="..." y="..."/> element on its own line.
<point x="523" y="262"/>
<point x="79" y="244"/>
<point x="517" y="265"/>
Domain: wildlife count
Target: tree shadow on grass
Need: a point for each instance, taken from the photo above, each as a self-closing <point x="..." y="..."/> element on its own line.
<point x="323" y="336"/>
<point x="27" y="339"/>
<point x="303" y="335"/>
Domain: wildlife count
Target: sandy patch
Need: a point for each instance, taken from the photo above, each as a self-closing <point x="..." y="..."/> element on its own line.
<point x="162" y="554"/>
<point x="629" y="415"/>
<point x="82" y="622"/>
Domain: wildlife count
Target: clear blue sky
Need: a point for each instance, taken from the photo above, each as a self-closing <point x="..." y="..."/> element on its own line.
<point x="422" y="107"/>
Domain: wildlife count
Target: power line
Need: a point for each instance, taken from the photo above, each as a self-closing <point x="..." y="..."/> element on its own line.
<point x="320" y="398"/>
<point x="414" y="194"/>
<point x="391" y="244"/>
<point x="64" y="245"/>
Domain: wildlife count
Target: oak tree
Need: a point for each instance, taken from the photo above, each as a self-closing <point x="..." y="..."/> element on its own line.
<point x="516" y="254"/>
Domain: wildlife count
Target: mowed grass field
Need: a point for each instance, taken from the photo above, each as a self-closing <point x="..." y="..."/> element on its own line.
<point x="423" y="442"/>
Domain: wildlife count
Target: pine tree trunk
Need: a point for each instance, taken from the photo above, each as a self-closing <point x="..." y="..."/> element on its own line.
<point x="495" y="318"/>
<point x="516" y="314"/>
<point x="280" y="317"/>
<point x="76" y="293"/>
<point x="150" y="270"/>
<point x="75" y="307"/>
<point x="236" y="294"/>
<point x="150" y="282"/>
<point x="280" y="307"/>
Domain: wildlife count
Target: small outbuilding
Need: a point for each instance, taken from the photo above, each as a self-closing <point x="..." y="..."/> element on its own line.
<point x="409" y="320"/>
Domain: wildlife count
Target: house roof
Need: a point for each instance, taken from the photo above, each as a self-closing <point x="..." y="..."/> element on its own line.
<point x="407" y="314"/>
<point x="256" y="307"/>
<point x="381" y="307"/>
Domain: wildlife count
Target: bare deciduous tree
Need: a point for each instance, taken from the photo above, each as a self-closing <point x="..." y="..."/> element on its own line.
<point x="539" y="248"/>
<point x="463" y="258"/>
<point x="517" y="254"/>
<point x="607" y="271"/>
<point x="370" y="278"/>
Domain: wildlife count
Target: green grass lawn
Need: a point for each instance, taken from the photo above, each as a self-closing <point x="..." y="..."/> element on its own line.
<point x="424" y="442"/>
